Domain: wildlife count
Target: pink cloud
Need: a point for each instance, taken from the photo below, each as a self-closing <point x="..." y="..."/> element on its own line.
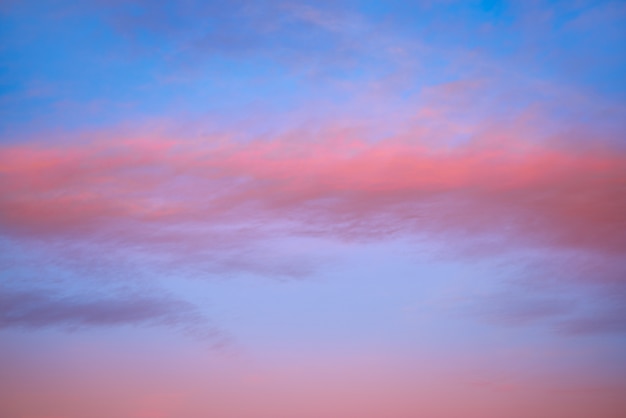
<point x="545" y="194"/>
<point x="220" y="205"/>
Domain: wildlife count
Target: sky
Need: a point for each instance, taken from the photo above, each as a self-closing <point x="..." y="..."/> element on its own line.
<point x="312" y="209"/>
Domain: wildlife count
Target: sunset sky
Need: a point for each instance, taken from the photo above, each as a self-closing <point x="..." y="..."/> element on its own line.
<point x="312" y="209"/>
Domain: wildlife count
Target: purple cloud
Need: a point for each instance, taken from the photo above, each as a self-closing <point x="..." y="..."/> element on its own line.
<point x="568" y="308"/>
<point x="34" y="308"/>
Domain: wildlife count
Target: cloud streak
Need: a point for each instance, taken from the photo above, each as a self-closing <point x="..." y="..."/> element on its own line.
<point x="539" y="194"/>
<point x="44" y="307"/>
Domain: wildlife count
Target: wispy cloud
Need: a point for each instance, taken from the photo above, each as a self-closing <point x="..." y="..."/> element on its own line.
<point x="35" y="307"/>
<point x="218" y="205"/>
<point x="524" y="192"/>
<point x="483" y="159"/>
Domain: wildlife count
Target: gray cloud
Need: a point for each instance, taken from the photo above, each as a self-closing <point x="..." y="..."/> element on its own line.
<point x="567" y="308"/>
<point x="35" y="308"/>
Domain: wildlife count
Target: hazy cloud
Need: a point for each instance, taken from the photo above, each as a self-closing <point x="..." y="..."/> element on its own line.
<point x="43" y="307"/>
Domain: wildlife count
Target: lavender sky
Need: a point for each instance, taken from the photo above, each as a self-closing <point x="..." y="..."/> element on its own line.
<point x="312" y="209"/>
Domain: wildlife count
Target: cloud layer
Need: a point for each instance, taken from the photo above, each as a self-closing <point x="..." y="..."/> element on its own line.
<point x="540" y="194"/>
<point x="219" y="205"/>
